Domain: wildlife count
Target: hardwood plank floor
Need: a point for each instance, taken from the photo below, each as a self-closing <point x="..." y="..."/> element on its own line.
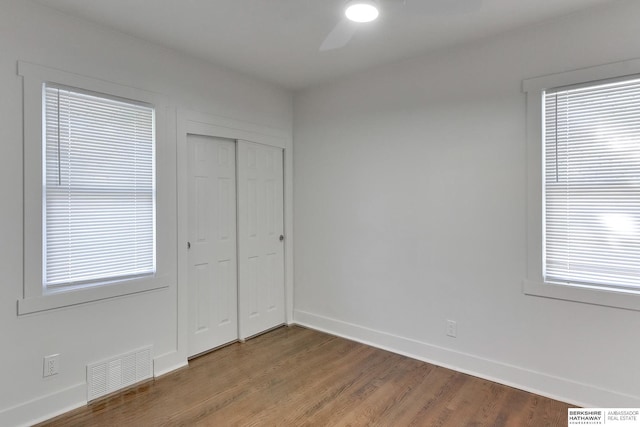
<point x="300" y="377"/>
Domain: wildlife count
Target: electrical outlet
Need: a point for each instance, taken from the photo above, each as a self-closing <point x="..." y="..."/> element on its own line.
<point x="51" y="365"/>
<point x="452" y="328"/>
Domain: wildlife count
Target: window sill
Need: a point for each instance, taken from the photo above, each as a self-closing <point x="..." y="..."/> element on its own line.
<point x="625" y="299"/>
<point x="70" y="298"/>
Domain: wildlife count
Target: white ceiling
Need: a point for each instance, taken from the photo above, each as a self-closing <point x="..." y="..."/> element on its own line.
<point x="278" y="40"/>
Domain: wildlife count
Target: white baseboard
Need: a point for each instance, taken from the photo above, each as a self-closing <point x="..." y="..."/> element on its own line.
<point x="46" y="407"/>
<point x="168" y="362"/>
<point x="562" y="389"/>
<point x="58" y="403"/>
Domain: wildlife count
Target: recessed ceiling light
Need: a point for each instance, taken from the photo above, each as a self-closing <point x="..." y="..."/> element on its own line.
<point x="361" y="10"/>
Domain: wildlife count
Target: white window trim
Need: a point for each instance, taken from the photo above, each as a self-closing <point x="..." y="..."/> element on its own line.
<point x="34" y="297"/>
<point x="534" y="283"/>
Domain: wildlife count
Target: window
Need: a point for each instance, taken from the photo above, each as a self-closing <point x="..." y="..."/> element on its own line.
<point x="592" y="184"/>
<point x="99" y="190"/>
<point x="99" y="186"/>
<point x="583" y="150"/>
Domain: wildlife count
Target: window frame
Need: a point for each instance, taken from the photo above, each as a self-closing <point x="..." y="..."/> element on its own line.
<point x="35" y="297"/>
<point x="534" y="283"/>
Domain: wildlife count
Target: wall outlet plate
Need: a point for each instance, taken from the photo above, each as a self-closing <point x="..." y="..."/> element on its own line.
<point x="452" y="328"/>
<point x="51" y="365"/>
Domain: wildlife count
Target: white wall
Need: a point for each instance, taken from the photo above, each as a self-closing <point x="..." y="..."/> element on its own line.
<point x="410" y="209"/>
<point x="91" y="332"/>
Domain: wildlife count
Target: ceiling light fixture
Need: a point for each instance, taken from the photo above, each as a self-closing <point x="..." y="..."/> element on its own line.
<point x="361" y="10"/>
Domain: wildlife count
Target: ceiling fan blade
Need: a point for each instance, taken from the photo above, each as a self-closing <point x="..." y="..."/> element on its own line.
<point x="339" y="36"/>
<point x="440" y="7"/>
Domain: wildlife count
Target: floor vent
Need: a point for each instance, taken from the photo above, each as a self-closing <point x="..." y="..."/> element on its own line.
<point x="119" y="372"/>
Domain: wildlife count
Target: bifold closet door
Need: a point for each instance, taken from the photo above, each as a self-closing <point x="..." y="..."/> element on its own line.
<point x="212" y="253"/>
<point x="260" y="238"/>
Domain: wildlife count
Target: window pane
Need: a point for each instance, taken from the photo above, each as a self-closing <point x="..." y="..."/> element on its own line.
<point x="592" y="184"/>
<point x="100" y="188"/>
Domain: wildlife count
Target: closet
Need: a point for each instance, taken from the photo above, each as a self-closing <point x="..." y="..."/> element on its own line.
<point x="235" y="241"/>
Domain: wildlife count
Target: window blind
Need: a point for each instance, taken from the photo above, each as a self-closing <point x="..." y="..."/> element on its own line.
<point x="592" y="184"/>
<point x="99" y="184"/>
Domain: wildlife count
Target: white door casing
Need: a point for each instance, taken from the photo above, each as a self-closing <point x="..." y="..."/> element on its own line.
<point x="212" y="240"/>
<point x="260" y="245"/>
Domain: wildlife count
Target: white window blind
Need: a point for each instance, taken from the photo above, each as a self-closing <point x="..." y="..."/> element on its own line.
<point x="592" y="184"/>
<point x="99" y="180"/>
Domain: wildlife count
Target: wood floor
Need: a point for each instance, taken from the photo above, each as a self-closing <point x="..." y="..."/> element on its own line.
<point x="300" y="377"/>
